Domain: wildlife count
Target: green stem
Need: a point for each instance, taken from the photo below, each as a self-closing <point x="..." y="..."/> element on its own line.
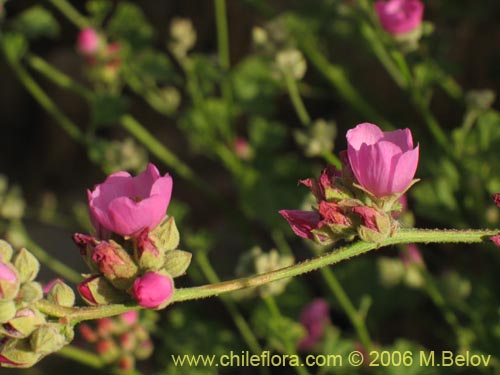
<point x="55" y="265"/>
<point x="71" y="13"/>
<point x="43" y="99"/>
<point x="82" y="356"/>
<point x="239" y="320"/>
<point x="76" y="314"/>
<point x="57" y="76"/>
<point x="337" y="77"/>
<point x="298" y="104"/>
<point x="289" y="346"/>
<point x="356" y="320"/>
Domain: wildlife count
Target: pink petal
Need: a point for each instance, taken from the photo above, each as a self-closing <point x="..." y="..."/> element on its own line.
<point x="302" y="222"/>
<point x="364" y="133"/>
<point x="400" y="137"/>
<point x="404" y="170"/>
<point x="143" y="182"/>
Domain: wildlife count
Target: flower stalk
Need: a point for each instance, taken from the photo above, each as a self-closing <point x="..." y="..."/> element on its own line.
<point x="77" y="314"/>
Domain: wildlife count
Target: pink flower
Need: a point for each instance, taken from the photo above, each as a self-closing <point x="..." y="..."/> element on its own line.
<point x="127" y="205"/>
<point x="86" y="292"/>
<point x="412" y="256"/>
<point x="88" y="41"/>
<point x="153" y="289"/>
<point x="314" y="317"/>
<point x="496" y="240"/>
<point x="399" y="16"/>
<point x="383" y="163"/>
<point x="302" y="222"/>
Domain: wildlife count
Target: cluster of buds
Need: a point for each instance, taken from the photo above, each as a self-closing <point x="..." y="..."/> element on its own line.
<point x="118" y="341"/>
<point x="27" y="334"/>
<point x="378" y="168"/>
<point x="134" y="253"/>
<point x="102" y="57"/>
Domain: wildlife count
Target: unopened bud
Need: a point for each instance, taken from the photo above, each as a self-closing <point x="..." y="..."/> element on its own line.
<point x="166" y="235"/>
<point x="17" y="353"/>
<point x="47" y="339"/>
<point x="23" y="323"/>
<point x="183" y="36"/>
<point x="153" y="290"/>
<point x="87" y="333"/>
<point x="292" y="62"/>
<point x="31" y="292"/>
<point x="98" y="291"/>
<point x="107" y="350"/>
<point x="61" y="294"/>
<point x="115" y="264"/>
<point x="144" y="350"/>
<point x="27" y="265"/>
<point x="177" y="262"/>
<point x="126" y="363"/>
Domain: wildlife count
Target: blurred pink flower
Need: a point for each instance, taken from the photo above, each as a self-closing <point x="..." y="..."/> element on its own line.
<point x="399" y="16"/>
<point x="315" y="316"/>
<point x="153" y="289"/>
<point x="384" y="163"/>
<point x="130" y="317"/>
<point x="412" y="256"/>
<point x="127" y="205"/>
<point x="88" y="41"/>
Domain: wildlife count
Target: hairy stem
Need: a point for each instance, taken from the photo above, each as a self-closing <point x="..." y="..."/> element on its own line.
<point x="70" y="13"/>
<point x="76" y="314"/>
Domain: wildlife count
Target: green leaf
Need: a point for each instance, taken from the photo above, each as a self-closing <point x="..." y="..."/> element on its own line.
<point x="107" y="109"/>
<point x="129" y="25"/>
<point x="99" y="9"/>
<point x="14" y="46"/>
<point x="37" y="22"/>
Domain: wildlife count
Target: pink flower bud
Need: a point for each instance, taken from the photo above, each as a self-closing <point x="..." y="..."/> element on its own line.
<point x="115" y="264"/>
<point x="383" y="163"/>
<point x="302" y="222"/>
<point x="412" y="256"/>
<point x="399" y="16"/>
<point x="47" y="287"/>
<point x="87" y="333"/>
<point x="127" y="205"/>
<point x="153" y="289"/>
<point x="130" y="318"/>
<point x="496" y="240"/>
<point x="314" y="317"/>
<point x="88" y="41"/>
<point x="242" y="149"/>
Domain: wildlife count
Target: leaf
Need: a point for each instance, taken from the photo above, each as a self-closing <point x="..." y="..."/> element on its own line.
<point x="107" y="109"/>
<point x="37" y="22"/>
<point x="129" y="25"/>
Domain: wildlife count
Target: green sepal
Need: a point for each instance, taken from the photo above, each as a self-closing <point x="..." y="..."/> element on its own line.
<point x="166" y="235"/>
<point x="27" y="265"/>
<point x="177" y="262"/>
<point x="61" y="294"/>
<point x="19" y="352"/>
<point x="103" y="292"/>
<point x="31" y="292"/>
<point x="22" y="326"/>
<point x="5" y="251"/>
<point x="7" y="311"/>
<point x="47" y="339"/>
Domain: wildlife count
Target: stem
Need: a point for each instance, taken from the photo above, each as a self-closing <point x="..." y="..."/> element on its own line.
<point x="70" y="13"/>
<point x="298" y="104"/>
<point x="290" y="348"/>
<point x="76" y="314"/>
<point x="356" y="320"/>
<point x="55" y="265"/>
<point x="39" y="95"/>
<point x="239" y="320"/>
<point x="81" y="356"/>
<point x="337" y="77"/>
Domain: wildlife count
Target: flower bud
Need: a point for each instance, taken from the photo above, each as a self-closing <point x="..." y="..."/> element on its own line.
<point x="166" y="235"/>
<point x="7" y="311"/>
<point x="97" y="290"/>
<point x="130" y="318"/>
<point x="292" y="62"/>
<point x="177" y="262"/>
<point x="87" y="333"/>
<point x="153" y="290"/>
<point x="88" y="41"/>
<point x="127" y="341"/>
<point x="31" y="292"/>
<point x="376" y="225"/>
<point x="61" y="294"/>
<point x="126" y="363"/>
<point x="106" y="327"/>
<point x="5" y="251"/>
<point x="47" y="339"/>
<point x="115" y="264"/>
<point x="17" y="353"/>
<point x="9" y="281"/>
<point x="183" y="36"/>
<point x="107" y="350"/>
<point x="27" y="265"/>
<point x="144" y="349"/>
<point x="23" y="323"/>
<point x="86" y="244"/>
<point x="315" y="317"/>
